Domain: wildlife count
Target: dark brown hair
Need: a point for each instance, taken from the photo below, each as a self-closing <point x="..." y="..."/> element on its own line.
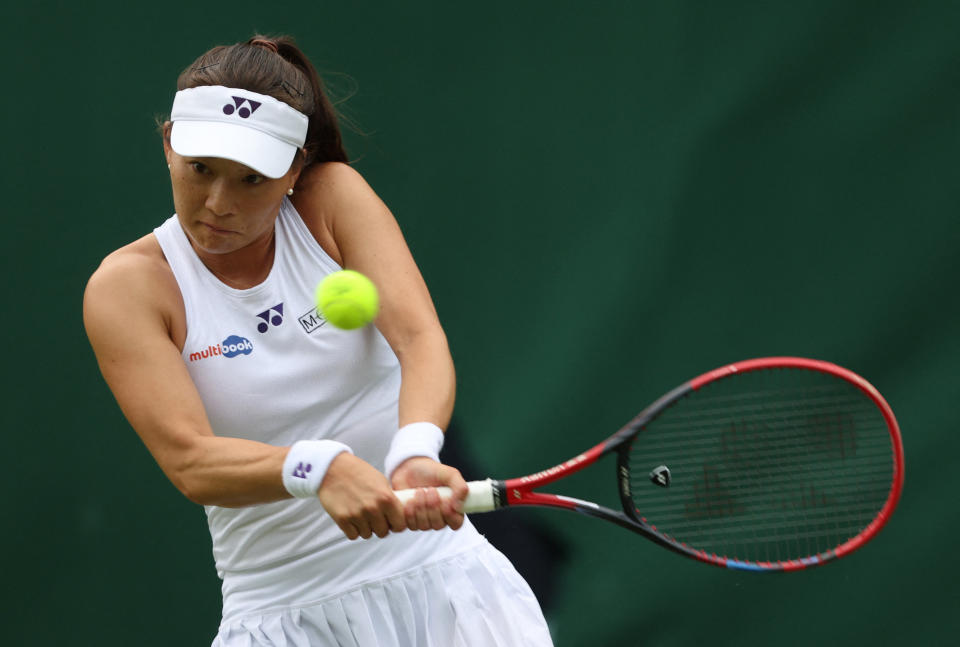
<point x="274" y="66"/>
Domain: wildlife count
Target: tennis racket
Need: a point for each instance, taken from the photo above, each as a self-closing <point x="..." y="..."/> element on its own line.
<point x="772" y="464"/>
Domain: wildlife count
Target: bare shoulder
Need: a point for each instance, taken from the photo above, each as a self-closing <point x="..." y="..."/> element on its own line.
<point x="333" y="197"/>
<point x="132" y="284"/>
<point x="332" y="180"/>
<point x="132" y="266"/>
<point x="329" y="190"/>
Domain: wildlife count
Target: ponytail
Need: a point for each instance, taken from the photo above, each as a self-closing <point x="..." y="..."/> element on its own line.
<point x="324" y="142"/>
<point x="278" y="68"/>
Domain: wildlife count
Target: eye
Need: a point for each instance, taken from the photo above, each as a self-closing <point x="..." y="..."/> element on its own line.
<point x="253" y="178"/>
<point x="198" y="167"/>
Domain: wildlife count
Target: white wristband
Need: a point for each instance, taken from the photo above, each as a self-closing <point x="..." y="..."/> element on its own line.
<point x="306" y="465"/>
<point x="415" y="439"/>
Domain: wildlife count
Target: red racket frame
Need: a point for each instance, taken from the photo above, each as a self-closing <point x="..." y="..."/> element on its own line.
<point x="520" y="491"/>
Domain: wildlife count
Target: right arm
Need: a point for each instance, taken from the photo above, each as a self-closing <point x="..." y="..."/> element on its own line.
<point x="129" y="309"/>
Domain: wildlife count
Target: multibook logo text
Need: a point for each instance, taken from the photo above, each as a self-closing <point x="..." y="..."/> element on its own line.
<point x="229" y="347"/>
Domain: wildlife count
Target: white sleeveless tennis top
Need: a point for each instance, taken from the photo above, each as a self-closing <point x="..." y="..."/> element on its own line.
<point x="270" y="369"/>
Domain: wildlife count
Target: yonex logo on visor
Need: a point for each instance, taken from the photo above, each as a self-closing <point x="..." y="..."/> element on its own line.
<point x="215" y="121"/>
<point x="241" y="110"/>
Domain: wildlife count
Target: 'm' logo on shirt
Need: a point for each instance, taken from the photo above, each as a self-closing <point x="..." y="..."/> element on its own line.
<point x="312" y="320"/>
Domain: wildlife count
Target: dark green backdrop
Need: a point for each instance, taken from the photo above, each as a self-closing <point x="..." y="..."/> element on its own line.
<point x="606" y="198"/>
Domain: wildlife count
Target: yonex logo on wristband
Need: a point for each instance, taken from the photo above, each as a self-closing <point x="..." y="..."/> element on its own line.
<point x="306" y="465"/>
<point x="301" y="470"/>
<point x="242" y="111"/>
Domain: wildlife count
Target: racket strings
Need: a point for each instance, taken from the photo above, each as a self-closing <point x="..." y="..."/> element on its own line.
<point x="770" y="465"/>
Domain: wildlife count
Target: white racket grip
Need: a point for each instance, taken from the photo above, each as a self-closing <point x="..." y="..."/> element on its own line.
<point x="479" y="499"/>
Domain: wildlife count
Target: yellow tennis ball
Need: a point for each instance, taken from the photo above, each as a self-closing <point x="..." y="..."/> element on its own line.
<point x="347" y="299"/>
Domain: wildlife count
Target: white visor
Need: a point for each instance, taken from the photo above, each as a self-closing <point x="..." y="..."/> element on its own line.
<point x="250" y="128"/>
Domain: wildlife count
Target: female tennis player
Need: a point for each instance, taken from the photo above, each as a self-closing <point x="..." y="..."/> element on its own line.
<point x="293" y="434"/>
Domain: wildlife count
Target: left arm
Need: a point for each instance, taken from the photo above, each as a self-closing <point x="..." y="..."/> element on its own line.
<point x="357" y="229"/>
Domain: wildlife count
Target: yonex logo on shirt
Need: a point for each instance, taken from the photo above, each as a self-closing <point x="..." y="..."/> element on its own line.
<point x="242" y="111"/>
<point x="270" y="316"/>
<point x="229" y="347"/>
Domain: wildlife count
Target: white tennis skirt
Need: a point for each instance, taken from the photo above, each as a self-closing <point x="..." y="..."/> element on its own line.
<point x="473" y="599"/>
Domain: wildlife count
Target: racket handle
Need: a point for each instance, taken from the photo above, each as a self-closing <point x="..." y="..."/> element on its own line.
<point x="480" y="499"/>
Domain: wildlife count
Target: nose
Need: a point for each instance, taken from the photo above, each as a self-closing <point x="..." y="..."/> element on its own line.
<point x="219" y="200"/>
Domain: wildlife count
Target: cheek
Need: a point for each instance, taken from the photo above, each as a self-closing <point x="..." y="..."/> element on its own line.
<point x="263" y="205"/>
<point x="184" y="194"/>
<point x="266" y="215"/>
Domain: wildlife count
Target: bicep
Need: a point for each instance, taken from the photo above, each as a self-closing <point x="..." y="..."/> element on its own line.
<point x="370" y="241"/>
<point x="143" y="368"/>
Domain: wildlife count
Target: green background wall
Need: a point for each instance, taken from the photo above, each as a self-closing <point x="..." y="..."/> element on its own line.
<point x="606" y="199"/>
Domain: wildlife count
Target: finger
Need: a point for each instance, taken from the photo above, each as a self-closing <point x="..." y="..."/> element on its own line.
<point x="380" y="529"/>
<point x="378" y="523"/>
<point x="410" y="515"/>
<point x="420" y="515"/>
<point x="458" y="487"/>
<point x="459" y="490"/>
<point x="454" y="504"/>
<point x="434" y="509"/>
<point x="410" y="512"/>
<point x="395" y="515"/>
<point x="453" y="519"/>
<point x="349" y="530"/>
<point x="363" y="527"/>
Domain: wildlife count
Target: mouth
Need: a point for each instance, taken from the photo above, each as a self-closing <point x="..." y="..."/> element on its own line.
<point x="217" y="230"/>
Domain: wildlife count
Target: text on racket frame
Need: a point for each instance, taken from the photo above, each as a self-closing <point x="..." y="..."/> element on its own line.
<point x="573" y="462"/>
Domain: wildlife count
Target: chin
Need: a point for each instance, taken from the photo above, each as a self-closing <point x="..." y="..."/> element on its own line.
<point x="210" y="243"/>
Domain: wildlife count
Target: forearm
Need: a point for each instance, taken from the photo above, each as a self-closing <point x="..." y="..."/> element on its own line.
<point x="426" y="395"/>
<point x="228" y="472"/>
<point x="428" y="384"/>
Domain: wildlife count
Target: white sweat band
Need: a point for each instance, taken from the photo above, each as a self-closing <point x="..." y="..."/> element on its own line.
<point x="306" y="465"/>
<point x="415" y="439"/>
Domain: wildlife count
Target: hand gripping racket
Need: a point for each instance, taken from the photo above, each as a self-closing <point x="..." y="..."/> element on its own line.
<point x="772" y="464"/>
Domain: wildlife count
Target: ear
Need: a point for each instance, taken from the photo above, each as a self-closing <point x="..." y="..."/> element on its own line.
<point x="299" y="163"/>
<point x="167" y="149"/>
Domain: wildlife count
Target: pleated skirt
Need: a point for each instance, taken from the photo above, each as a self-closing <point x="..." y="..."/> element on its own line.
<point x="472" y="599"/>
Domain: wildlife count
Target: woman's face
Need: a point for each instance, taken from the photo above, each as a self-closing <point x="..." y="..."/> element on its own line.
<point x="223" y="205"/>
